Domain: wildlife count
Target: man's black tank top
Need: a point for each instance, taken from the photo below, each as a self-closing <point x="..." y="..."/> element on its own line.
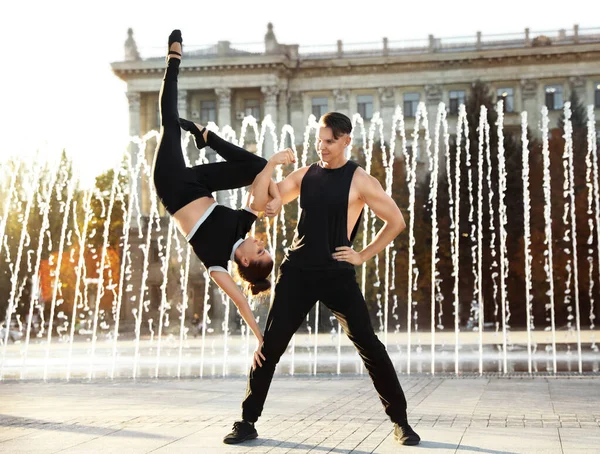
<point x="323" y="223"/>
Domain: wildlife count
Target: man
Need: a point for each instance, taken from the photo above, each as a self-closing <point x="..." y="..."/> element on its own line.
<point x="319" y="266"/>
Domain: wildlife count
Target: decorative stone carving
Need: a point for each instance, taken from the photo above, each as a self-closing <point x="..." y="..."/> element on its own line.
<point x="433" y="93"/>
<point x="541" y="41"/>
<point x="223" y="48"/>
<point x="529" y="88"/>
<point x="341" y="96"/>
<point x="341" y="99"/>
<point x="271" y="45"/>
<point x="386" y="96"/>
<point x="224" y="95"/>
<point x="131" y="51"/>
<point x="577" y="85"/>
<point x="270" y="92"/>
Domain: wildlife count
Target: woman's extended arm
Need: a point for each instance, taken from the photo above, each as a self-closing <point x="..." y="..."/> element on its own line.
<point x="228" y="285"/>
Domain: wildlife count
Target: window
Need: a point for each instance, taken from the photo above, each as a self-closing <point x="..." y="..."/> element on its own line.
<point x="597" y="96"/>
<point x="252" y="107"/>
<point x="411" y="102"/>
<point x="457" y="97"/>
<point x="365" y="106"/>
<point x="319" y="107"/>
<point x="208" y="111"/>
<point x="507" y="95"/>
<point x="554" y="97"/>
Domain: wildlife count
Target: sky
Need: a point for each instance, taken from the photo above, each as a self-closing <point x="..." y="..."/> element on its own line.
<point x="58" y="89"/>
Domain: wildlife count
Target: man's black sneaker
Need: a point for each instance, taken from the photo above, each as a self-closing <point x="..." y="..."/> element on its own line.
<point x="242" y="431"/>
<point x="405" y="434"/>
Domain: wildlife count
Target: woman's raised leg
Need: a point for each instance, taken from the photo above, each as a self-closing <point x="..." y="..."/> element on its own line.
<point x="168" y="159"/>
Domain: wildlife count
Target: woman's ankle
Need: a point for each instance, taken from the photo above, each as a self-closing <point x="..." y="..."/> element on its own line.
<point x="175" y="51"/>
<point x="203" y="131"/>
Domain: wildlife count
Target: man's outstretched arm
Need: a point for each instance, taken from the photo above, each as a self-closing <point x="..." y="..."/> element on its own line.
<point x="384" y="207"/>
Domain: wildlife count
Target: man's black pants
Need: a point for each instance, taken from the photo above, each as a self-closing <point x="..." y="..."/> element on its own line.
<point x="296" y="292"/>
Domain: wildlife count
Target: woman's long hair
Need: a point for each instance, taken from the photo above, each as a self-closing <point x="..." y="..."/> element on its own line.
<point x="256" y="274"/>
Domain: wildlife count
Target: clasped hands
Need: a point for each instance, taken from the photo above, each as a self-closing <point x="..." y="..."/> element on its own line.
<point x="281" y="158"/>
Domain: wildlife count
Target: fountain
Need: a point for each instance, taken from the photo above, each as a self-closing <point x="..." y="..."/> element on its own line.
<point x="89" y="312"/>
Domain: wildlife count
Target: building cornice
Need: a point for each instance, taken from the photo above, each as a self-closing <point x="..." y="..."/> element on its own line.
<point x="132" y="69"/>
<point x="344" y="66"/>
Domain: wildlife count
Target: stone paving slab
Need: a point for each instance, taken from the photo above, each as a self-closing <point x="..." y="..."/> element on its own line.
<point x="316" y="414"/>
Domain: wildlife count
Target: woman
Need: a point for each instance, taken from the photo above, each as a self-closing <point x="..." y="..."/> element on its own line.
<point x="216" y="233"/>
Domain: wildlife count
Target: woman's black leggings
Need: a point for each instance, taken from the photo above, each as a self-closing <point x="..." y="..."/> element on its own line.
<point x="176" y="184"/>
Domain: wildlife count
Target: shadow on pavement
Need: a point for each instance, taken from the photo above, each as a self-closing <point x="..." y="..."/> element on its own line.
<point x="17" y="421"/>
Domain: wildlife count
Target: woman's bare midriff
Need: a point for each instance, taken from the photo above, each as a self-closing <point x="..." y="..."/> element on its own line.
<point x="187" y="216"/>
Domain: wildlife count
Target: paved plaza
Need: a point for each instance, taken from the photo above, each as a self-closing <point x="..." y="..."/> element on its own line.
<point x="317" y="414"/>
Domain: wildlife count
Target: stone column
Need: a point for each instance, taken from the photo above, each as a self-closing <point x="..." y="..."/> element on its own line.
<point x="283" y="115"/>
<point x="387" y="105"/>
<point x="531" y="103"/>
<point x="182" y="108"/>
<point x="224" y="112"/>
<point x="297" y="118"/>
<point x="135" y="184"/>
<point x="182" y="103"/>
<point x="341" y="99"/>
<point x="134" y="99"/>
<point x="433" y="97"/>
<point x="223" y="119"/>
<point x="217" y="311"/>
<point x="270" y="93"/>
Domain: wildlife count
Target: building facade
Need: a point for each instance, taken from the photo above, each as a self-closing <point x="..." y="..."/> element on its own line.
<point x="224" y="83"/>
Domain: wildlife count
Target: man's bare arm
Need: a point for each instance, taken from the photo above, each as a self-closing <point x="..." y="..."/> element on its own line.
<point x="289" y="187"/>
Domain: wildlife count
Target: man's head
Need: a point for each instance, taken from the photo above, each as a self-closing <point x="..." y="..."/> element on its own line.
<point x="333" y="138"/>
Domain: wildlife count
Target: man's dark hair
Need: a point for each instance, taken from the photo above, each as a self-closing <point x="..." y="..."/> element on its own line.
<point x="339" y="123"/>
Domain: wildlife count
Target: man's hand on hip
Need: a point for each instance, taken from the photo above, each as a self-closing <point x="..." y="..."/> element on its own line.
<point x="347" y="254"/>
